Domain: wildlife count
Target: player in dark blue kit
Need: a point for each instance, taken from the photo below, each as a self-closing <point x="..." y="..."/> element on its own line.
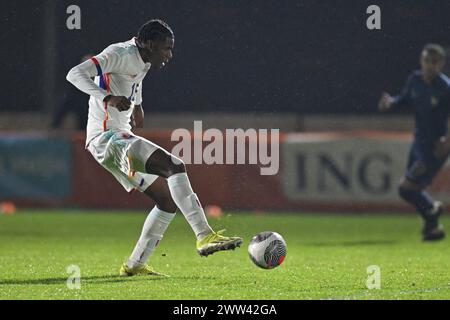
<point x="428" y="92"/>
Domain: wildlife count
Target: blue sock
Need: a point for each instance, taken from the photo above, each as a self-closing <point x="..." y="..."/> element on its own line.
<point x="420" y="199"/>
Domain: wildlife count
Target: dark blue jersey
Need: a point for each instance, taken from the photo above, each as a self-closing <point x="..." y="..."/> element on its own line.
<point x="431" y="103"/>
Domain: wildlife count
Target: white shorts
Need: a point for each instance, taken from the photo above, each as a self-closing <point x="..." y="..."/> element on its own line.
<point x="124" y="155"/>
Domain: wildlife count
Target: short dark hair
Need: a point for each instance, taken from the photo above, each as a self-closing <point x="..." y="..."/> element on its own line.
<point x="155" y="30"/>
<point x="435" y="49"/>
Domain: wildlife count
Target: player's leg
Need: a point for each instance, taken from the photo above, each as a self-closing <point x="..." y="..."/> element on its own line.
<point x="110" y="150"/>
<point x="168" y="166"/>
<point x="433" y="230"/>
<point x="429" y="209"/>
<point x="413" y="193"/>
<point x="412" y="189"/>
<point x="409" y="188"/>
<point x="165" y="165"/>
<point x="153" y="230"/>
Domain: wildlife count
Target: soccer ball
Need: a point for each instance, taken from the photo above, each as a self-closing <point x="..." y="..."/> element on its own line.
<point x="267" y="249"/>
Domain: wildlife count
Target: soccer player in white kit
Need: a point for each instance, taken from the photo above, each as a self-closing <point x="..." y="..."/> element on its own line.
<point x="115" y="101"/>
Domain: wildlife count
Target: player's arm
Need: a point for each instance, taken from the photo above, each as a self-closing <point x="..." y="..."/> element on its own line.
<point x="138" y="116"/>
<point x="81" y="77"/>
<point x="387" y="102"/>
<point x="442" y="146"/>
<point x="138" y="112"/>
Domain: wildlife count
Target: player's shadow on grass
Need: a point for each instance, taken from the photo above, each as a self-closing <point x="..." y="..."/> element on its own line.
<point x="90" y="279"/>
<point x="353" y="243"/>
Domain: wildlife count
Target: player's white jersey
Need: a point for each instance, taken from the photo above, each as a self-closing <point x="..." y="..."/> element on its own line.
<point x="118" y="70"/>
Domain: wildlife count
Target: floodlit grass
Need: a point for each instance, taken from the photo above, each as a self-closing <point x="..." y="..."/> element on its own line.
<point x="327" y="258"/>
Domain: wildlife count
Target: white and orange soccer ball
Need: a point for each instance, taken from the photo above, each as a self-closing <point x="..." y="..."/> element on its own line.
<point x="267" y="249"/>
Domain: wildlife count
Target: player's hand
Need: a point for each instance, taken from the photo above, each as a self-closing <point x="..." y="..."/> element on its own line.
<point x="138" y="116"/>
<point x="385" y="102"/>
<point x="442" y="148"/>
<point x="119" y="102"/>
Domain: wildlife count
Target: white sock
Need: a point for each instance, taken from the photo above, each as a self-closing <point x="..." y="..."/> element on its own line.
<point x="188" y="203"/>
<point x="154" y="227"/>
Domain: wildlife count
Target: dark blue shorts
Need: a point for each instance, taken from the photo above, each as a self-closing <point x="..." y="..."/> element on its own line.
<point x="422" y="164"/>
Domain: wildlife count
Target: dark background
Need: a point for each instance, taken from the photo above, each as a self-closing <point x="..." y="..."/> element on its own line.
<point x="307" y="56"/>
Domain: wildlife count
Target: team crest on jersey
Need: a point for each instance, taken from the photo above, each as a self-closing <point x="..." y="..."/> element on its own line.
<point x="434" y="101"/>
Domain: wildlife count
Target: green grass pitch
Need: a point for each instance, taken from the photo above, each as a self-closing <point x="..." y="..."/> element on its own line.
<point x="327" y="258"/>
